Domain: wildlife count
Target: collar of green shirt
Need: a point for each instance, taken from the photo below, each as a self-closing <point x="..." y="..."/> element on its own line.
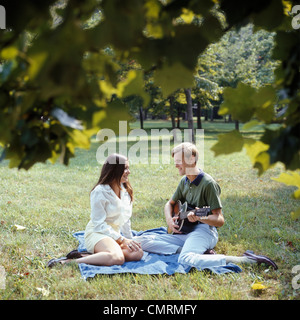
<point x="197" y="180"/>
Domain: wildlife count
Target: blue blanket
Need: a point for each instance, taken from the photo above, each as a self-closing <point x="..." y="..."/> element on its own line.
<point x="151" y="263"/>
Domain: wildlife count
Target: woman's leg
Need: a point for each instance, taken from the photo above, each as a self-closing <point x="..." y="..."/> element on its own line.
<point x="129" y="255"/>
<point x="132" y="255"/>
<point x="107" y="253"/>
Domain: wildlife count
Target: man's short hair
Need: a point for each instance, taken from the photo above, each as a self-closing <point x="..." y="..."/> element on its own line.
<point x="187" y="149"/>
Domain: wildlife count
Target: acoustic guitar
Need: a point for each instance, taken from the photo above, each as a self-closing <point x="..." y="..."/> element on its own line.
<point x="181" y="211"/>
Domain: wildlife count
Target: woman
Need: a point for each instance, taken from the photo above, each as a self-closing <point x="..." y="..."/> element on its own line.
<point x="111" y="209"/>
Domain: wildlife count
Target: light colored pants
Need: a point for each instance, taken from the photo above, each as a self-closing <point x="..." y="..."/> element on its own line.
<point x="192" y="246"/>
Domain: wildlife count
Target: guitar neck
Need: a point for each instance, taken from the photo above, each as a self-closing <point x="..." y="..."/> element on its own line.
<point x="202" y="212"/>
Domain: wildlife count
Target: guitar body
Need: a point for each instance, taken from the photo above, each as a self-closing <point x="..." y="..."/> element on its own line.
<point x="181" y="211"/>
<point x="177" y="208"/>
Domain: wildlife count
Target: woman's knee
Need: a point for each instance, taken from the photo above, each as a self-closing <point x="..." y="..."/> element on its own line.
<point x="116" y="259"/>
<point x="132" y="255"/>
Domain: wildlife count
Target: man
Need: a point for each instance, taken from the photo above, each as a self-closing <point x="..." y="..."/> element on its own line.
<point x="198" y="189"/>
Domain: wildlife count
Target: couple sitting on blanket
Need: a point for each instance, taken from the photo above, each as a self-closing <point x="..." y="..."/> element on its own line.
<point x="108" y="236"/>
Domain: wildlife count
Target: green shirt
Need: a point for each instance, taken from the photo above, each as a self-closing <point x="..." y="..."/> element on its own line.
<point x="201" y="192"/>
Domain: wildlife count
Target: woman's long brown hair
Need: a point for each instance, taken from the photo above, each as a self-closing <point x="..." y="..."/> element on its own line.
<point x="112" y="171"/>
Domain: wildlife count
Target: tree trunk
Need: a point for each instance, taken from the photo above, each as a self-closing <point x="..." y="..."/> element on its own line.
<point x="189" y="108"/>
<point x="141" y="118"/>
<point x="199" y="124"/>
<point x="146" y="113"/>
<point x="237" y="125"/>
<point x="178" y="117"/>
<point x="171" y="99"/>
<point x="206" y="114"/>
<point x="212" y="114"/>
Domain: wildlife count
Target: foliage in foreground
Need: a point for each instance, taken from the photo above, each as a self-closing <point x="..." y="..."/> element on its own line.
<point x="58" y="60"/>
<point x="57" y="67"/>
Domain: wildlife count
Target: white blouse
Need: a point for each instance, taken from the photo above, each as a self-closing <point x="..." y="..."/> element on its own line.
<point x="110" y="214"/>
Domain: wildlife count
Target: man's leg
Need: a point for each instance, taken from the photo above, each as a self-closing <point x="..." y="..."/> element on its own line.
<point x="197" y="242"/>
<point x="161" y="243"/>
<point x="205" y="237"/>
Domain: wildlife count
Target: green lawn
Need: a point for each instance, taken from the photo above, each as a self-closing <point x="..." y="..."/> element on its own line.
<point x="52" y="202"/>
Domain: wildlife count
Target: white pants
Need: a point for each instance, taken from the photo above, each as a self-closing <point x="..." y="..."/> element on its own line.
<point x="192" y="246"/>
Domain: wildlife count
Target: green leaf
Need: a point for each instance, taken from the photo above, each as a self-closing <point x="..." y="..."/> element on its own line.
<point x="295" y="214"/>
<point x="254" y="148"/>
<point x="37" y="61"/>
<point x="238" y="102"/>
<point x="115" y="112"/>
<point x="249" y="125"/>
<point x="172" y="77"/>
<point x="152" y="8"/>
<point x="102" y="65"/>
<point x="284" y="145"/>
<point x="262" y="162"/>
<point x="271" y="16"/>
<point x="98" y="117"/>
<point x="187" y="15"/>
<point x="245" y="102"/>
<point x="39" y="152"/>
<point x="132" y="85"/>
<point x="264" y="13"/>
<point x="124" y="22"/>
<point x="78" y="139"/>
<point x="154" y="29"/>
<point x="291" y="178"/>
<point x="264" y="100"/>
<point x="9" y="53"/>
<point x="201" y="7"/>
<point x="285" y="42"/>
<point x="228" y="143"/>
<point x="135" y="86"/>
<point x="257" y="152"/>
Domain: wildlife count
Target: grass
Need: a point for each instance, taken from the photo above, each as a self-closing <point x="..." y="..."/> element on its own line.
<point x="52" y="202"/>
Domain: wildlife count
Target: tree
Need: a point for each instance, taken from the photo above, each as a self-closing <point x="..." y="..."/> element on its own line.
<point x="205" y="91"/>
<point x="241" y="55"/>
<point x="280" y="141"/>
<point x="68" y="66"/>
<point x="53" y="74"/>
<point x="189" y="109"/>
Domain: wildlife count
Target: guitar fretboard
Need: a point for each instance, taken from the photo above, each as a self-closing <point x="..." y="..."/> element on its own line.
<point x="201" y="212"/>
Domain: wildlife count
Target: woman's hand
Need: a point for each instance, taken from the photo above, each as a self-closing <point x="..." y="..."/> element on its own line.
<point x="131" y="244"/>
